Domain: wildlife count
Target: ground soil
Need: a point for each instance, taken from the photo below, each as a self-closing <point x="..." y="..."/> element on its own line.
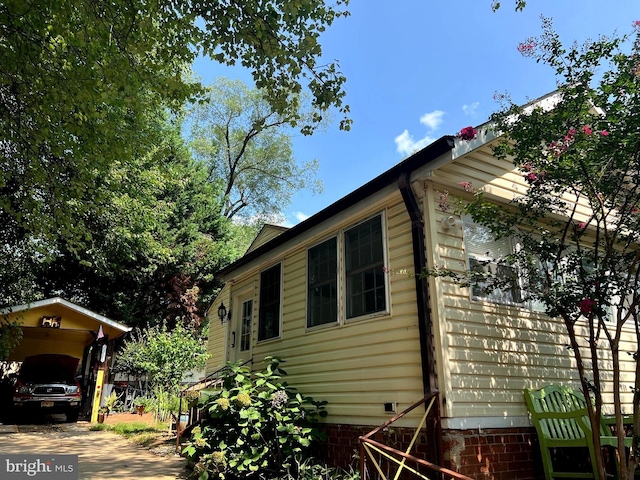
<point x="102" y="455"/>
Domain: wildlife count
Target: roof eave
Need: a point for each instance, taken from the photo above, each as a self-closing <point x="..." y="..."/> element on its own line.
<point x="71" y="306"/>
<point x="423" y="157"/>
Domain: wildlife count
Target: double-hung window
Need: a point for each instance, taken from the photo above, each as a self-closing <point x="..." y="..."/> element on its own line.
<point x="358" y="272"/>
<point x="269" y="317"/>
<point x="364" y="273"/>
<point x="322" y="283"/>
<point x="485" y="255"/>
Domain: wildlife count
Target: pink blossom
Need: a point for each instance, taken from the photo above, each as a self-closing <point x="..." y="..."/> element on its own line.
<point x="636" y="24"/>
<point x="527" y="48"/>
<point x="570" y="134"/>
<point x="527" y="166"/>
<point x="587" y="130"/>
<point x="444" y="201"/>
<point x="582" y="225"/>
<point x="604" y="133"/>
<point x="468" y="133"/>
<point x="586" y="305"/>
<point x="534" y="178"/>
<point x="466" y="186"/>
<point x="557" y="148"/>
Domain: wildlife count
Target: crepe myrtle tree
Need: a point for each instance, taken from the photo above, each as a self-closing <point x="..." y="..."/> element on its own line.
<point x="577" y="225"/>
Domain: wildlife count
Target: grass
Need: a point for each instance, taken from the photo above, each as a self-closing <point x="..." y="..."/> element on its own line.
<point x="137" y="432"/>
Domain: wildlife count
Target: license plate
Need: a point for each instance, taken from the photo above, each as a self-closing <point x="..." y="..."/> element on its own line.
<point x="46" y="404"/>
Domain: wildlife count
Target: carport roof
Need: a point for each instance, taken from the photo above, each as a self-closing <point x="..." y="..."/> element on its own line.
<point x="71" y="306"/>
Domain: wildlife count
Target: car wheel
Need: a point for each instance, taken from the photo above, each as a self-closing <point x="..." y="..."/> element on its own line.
<point x="72" y="416"/>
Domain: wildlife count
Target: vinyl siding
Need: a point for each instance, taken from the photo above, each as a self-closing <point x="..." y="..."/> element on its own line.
<point x="267" y="233"/>
<point x="359" y="364"/>
<point x="488" y="352"/>
<point x="216" y="340"/>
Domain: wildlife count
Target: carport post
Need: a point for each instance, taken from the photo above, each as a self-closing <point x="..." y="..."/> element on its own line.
<point x="97" y="397"/>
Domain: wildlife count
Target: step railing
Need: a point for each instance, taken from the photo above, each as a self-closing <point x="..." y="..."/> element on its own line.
<point x="404" y="460"/>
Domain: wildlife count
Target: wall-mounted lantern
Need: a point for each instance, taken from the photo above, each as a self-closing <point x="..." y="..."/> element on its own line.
<point x="223" y="315"/>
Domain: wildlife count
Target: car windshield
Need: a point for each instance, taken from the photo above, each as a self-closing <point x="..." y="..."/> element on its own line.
<point x="49" y="369"/>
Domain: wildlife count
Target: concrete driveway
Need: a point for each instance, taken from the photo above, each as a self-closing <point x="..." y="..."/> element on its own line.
<point x="101" y="455"/>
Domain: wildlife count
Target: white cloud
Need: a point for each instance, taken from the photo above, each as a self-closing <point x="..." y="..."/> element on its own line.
<point x="471" y="109"/>
<point x="301" y="217"/>
<point x="432" y="119"/>
<point x="406" y="145"/>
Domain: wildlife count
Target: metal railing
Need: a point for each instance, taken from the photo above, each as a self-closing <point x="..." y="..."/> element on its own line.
<point x="400" y="458"/>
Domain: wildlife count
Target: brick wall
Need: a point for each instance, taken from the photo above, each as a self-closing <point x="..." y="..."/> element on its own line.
<point x="491" y="454"/>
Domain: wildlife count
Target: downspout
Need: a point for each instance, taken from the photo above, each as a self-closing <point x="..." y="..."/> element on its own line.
<point x="424" y="312"/>
<point x="422" y="285"/>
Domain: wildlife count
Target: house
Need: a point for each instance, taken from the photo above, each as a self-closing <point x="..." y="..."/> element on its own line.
<point x="339" y="299"/>
<point x="57" y="326"/>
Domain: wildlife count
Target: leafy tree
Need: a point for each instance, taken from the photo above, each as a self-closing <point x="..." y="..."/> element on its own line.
<point x="164" y="355"/>
<point x="578" y="223"/>
<point x="246" y="145"/>
<point x="156" y="238"/>
<point x="520" y="4"/>
<point x="80" y="79"/>
<point x="10" y="336"/>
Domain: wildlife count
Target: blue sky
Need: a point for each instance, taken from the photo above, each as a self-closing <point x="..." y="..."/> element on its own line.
<point x="417" y="70"/>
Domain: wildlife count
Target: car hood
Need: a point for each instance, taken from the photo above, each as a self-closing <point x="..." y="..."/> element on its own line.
<point x="49" y="368"/>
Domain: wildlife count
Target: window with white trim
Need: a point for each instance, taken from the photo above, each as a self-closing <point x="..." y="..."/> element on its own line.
<point x="364" y="274"/>
<point x="245" y="326"/>
<point x="358" y="271"/>
<point x="269" y="316"/>
<point x="322" y="283"/>
<point x="484" y="254"/>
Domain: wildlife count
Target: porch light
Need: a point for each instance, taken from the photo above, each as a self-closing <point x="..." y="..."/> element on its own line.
<point x="223" y="315"/>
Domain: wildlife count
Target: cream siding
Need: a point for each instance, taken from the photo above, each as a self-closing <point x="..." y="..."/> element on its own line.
<point x="216" y="341"/>
<point x="488" y="352"/>
<point x="358" y="365"/>
<point x="268" y="232"/>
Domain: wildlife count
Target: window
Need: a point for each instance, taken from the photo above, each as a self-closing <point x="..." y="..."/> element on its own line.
<point x="322" y="284"/>
<point x="269" y="319"/>
<point x="483" y="251"/>
<point x="245" y="326"/>
<point x="364" y="262"/>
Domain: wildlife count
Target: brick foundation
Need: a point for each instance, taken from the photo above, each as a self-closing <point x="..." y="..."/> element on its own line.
<point x="491" y="454"/>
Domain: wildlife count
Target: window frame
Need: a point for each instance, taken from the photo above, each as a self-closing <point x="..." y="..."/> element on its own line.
<point x="261" y="306"/>
<point x="337" y="285"/>
<point x="341" y="302"/>
<point x="245" y="334"/>
<point x="512" y="246"/>
<point x="385" y="278"/>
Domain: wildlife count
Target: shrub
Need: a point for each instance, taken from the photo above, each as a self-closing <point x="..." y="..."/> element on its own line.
<point x="255" y="426"/>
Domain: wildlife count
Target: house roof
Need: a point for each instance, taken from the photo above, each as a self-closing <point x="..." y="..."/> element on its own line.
<point x="69" y="305"/>
<point x="423" y="157"/>
<point x="267" y="232"/>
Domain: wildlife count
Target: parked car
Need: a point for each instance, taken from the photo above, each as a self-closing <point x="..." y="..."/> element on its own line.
<point x="47" y="384"/>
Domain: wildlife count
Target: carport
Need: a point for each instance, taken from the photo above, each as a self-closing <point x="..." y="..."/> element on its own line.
<point x="58" y="326"/>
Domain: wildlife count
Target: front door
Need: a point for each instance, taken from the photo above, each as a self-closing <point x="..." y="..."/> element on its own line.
<point x="241" y="327"/>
